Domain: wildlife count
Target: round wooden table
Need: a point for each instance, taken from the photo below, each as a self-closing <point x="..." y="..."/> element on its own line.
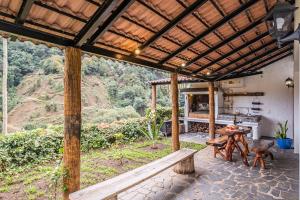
<point x="235" y="136"/>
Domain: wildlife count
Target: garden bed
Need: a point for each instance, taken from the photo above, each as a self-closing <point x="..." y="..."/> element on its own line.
<point x="38" y="181"/>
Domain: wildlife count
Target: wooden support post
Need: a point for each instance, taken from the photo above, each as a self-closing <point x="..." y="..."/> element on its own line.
<point x="4" y="87"/>
<point x="153" y="98"/>
<point x="72" y="112"/>
<point x="175" y="112"/>
<point x="211" y="93"/>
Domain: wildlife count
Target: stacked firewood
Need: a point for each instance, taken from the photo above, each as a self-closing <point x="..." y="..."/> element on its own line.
<point x="201" y="127"/>
<point x="167" y="128"/>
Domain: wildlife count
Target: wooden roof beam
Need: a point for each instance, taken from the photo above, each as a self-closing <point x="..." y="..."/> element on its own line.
<point x="39" y="25"/>
<point x="95" y="21"/>
<point x="241" y="75"/>
<point x="245" y="55"/>
<point x="24" y="11"/>
<point x="211" y="29"/>
<point x="174" y="22"/>
<point x="53" y="39"/>
<point x="249" y="62"/>
<point x="224" y="42"/>
<point x="198" y="17"/>
<point x="265" y="65"/>
<point x="59" y="11"/>
<point x="134" y="60"/>
<point x="33" y="33"/>
<point x="110" y="20"/>
<point x="232" y="52"/>
<point x="285" y="54"/>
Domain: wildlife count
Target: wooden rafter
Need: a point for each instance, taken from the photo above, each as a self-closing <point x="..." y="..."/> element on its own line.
<point x="249" y="62"/>
<point x="110" y="20"/>
<point x="173" y="23"/>
<point x="24" y="11"/>
<point x="233" y="52"/>
<point x="211" y="29"/>
<point x="95" y="21"/>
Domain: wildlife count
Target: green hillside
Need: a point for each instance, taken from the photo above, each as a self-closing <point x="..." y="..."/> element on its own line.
<point x="110" y="90"/>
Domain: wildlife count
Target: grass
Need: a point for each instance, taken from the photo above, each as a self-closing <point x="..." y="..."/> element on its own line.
<point x="4" y="188"/>
<point x="34" y="182"/>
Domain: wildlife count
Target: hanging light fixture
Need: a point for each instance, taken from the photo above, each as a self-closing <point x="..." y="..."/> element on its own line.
<point x="289" y="82"/>
<point x="279" y="20"/>
<point x="137" y="51"/>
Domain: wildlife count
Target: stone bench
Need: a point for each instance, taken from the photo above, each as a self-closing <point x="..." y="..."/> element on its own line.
<point x="261" y="149"/>
<point x="183" y="160"/>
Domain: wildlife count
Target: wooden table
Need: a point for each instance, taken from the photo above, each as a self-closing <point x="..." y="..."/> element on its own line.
<point x="235" y="136"/>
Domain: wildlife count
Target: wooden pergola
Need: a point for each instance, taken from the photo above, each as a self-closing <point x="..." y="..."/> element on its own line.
<point x="208" y="40"/>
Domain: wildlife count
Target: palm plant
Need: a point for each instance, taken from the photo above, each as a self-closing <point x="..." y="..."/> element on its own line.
<point x="282" y="131"/>
<point x="153" y="128"/>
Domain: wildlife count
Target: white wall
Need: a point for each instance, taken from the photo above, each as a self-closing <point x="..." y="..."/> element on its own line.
<point x="278" y="100"/>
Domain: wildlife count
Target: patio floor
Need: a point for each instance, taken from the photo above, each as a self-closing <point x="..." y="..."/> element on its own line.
<point x="216" y="179"/>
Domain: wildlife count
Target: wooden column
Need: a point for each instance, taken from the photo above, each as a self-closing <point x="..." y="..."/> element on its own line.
<point x="4" y="87"/>
<point x="211" y="93"/>
<point x="153" y="98"/>
<point x="72" y="112"/>
<point x="175" y="112"/>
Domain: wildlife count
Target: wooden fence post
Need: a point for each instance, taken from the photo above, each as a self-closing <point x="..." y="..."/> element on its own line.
<point x="72" y="127"/>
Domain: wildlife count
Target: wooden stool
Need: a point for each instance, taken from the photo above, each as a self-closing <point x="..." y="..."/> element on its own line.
<point x="219" y="144"/>
<point x="261" y="149"/>
<point x="241" y="138"/>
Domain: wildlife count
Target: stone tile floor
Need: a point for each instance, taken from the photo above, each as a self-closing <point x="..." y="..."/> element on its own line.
<point x="216" y="179"/>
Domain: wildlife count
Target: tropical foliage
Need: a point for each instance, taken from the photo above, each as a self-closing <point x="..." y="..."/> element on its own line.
<point x="153" y="128"/>
<point x="282" y="130"/>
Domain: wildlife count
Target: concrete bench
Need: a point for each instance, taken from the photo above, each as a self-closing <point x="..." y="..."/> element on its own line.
<point x="183" y="160"/>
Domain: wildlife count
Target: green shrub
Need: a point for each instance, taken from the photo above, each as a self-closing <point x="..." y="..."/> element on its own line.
<point x="51" y="107"/>
<point x="29" y="126"/>
<point x="58" y="87"/>
<point x="38" y="145"/>
<point x="165" y="113"/>
<point x="111" y="115"/>
<point x="93" y="138"/>
<point x="52" y="65"/>
<point x="35" y="86"/>
<point x="28" y="147"/>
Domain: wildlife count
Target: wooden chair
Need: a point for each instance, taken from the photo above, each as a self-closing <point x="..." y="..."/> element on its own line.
<point x="219" y="145"/>
<point x="261" y="149"/>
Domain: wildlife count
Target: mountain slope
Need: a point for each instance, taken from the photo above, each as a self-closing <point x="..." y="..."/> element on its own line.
<point x="41" y="100"/>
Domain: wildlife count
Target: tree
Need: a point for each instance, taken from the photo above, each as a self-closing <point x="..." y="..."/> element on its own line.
<point x="4" y="87"/>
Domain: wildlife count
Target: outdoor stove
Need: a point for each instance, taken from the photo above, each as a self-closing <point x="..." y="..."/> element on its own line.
<point x="196" y="112"/>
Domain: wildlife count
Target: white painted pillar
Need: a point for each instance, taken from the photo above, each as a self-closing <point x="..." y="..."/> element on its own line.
<point x="296" y="83"/>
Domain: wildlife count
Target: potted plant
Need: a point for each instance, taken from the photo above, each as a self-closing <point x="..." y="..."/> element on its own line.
<point x="283" y="142"/>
